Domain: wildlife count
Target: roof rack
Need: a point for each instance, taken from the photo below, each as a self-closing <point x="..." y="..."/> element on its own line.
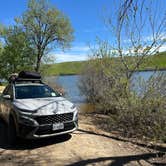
<point x="21" y="80"/>
<point x="25" y="76"/>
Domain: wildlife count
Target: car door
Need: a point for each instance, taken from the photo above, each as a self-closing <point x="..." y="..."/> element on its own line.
<point x="5" y="104"/>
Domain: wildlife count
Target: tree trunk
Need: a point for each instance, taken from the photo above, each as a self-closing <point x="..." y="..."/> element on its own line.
<point x="39" y="56"/>
<point x="38" y="64"/>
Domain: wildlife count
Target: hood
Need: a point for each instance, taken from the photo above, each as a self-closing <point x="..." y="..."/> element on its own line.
<point x="44" y="106"/>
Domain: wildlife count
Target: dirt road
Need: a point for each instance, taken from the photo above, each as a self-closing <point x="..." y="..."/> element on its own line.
<point x="87" y="146"/>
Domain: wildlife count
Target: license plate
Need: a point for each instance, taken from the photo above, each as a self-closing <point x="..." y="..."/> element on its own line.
<point x="58" y="126"/>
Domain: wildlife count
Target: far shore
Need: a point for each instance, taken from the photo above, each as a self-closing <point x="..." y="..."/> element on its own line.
<point x="141" y="70"/>
<point x="151" y="69"/>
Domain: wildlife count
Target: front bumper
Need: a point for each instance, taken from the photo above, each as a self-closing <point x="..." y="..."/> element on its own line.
<point x="34" y="130"/>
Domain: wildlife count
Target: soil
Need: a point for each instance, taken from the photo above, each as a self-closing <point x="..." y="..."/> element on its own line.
<point x="89" y="145"/>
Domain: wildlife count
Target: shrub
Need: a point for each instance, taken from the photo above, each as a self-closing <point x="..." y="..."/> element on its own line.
<point x="135" y="109"/>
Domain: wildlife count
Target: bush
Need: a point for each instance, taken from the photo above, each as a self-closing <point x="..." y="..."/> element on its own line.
<point x="134" y="113"/>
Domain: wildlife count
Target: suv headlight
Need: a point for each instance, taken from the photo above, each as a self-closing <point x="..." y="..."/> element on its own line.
<point x="73" y="106"/>
<point x="25" y="112"/>
<point x="75" y="115"/>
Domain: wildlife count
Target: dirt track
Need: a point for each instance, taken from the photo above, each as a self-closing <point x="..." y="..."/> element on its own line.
<point x="87" y="146"/>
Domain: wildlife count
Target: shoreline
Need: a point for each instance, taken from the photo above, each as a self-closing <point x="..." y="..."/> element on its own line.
<point x="141" y="70"/>
<point x="64" y="75"/>
<point x="151" y="69"/>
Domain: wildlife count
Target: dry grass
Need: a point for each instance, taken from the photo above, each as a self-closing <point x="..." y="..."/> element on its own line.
<point x="2" y="88"/>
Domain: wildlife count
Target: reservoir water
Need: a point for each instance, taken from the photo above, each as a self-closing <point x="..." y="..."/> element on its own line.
<point x="71" y="82"/>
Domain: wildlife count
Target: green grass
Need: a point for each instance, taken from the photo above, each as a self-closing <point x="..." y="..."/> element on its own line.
<point x="70" y="68"/>
<point x="155" y="61"/>
<point x="65" y="68"/>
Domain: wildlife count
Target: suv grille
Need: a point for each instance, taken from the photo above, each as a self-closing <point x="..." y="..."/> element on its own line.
<point x="58" y="118"/>
<point x="48" y="129"/>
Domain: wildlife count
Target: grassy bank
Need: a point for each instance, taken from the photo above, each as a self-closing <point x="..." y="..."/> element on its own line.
<point x="65" y="68"/>
<point x="70" y="68"/>
<point x="155" y="61"/>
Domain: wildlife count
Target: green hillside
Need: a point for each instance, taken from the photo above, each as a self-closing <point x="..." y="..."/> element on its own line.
<point x="69" y="68"/>
<point x="155" y="61"/>
<point x="65" y="68"/>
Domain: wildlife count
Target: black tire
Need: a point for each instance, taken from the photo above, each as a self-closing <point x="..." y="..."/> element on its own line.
<point x="2" y="133"/>
<point x="11" y="132"/>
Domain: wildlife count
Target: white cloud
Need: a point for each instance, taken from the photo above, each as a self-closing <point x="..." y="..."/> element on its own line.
<point x="81" y="53"/>
<point x="80" y="48"/>
<point x="148" y="38"/>
<point x="162" y="48"/>
<point x="68" y="57"/>
<point x="78" y="52"/>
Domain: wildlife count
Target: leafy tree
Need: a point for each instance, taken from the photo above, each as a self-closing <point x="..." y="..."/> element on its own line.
<point x="138" y="30"/>
<point x="17" y="54"/>
<point x="46" y="28"/>
<point x="1" y="48"/>
<point x="1" y="45"/>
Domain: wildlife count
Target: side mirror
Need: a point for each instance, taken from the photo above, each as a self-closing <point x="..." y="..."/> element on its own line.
<point x="61" y="94"/>
<point x="7" y="97"/>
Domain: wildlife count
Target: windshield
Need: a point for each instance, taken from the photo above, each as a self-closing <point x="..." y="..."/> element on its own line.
<point x="34" y="91"/>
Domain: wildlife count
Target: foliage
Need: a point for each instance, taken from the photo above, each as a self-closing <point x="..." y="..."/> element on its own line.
<point x="107" y="83"/>
<point x="46" y="27"/>
<point x="144" y="115"/>
<point x="1" y="48"/>
<point x="135" y="110"/>
<point x="17" y="54"/>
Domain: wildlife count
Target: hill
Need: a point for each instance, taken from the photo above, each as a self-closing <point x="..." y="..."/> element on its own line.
<point x="75" y="67"/>
<point x="65" y="68"/>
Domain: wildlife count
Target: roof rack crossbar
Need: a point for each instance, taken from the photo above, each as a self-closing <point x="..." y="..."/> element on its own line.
<point x="27" y="79"/>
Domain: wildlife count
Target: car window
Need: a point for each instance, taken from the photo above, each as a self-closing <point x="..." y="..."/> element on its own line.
<point x="34" y="91"/>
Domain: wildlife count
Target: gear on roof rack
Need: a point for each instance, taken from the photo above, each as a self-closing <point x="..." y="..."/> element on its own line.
<point x="29" y="74"/>
<point x="13" y="77"/>
<point x="25" y="76"/>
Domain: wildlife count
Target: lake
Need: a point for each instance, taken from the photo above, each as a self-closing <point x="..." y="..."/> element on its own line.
<point x="70" y="84"/>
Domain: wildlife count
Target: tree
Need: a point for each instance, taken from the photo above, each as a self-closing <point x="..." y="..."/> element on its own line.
<point x="46" y="28"/>
<point x="139" y="31"/>
<point x="1" y="48"/>
<point x="17" y="54"/>
<point x="1" y="45"/>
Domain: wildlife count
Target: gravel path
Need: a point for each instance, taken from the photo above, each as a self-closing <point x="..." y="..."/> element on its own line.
<point x="87" y="146"/>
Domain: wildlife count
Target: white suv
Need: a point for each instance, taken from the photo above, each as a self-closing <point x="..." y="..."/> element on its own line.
<point x="31" y="109"/>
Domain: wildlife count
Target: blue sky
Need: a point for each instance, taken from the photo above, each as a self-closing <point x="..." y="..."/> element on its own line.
<point x="86" y="18"/>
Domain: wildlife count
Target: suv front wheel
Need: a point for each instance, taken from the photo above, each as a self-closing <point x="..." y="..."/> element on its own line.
<point x="11" y="132"/>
